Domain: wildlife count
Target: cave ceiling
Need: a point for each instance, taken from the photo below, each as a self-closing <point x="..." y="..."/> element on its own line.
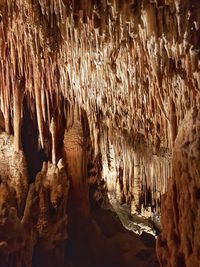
<point x="133" y="66"/>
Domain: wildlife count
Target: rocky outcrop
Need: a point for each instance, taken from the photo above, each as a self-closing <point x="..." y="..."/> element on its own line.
<point x="33" y="219"/>
<point x="13" y="171"/>
<point x="51" y="186"/>
<point x="178" y="245"/>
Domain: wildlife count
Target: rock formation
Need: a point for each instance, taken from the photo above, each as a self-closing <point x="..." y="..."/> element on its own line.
<point x="104" y="96"/>
<point x="34" y="220"/>
<point x="77" y="156"/>
<point x="178" y="245"/>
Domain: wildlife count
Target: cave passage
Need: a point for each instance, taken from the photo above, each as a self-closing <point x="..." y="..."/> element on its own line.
<point x="101" y="240"/>
<point x="99" y="133"/>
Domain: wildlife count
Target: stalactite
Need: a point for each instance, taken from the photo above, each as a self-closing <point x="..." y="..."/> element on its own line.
<point x="17" y="110"/>
<point x="136" y="185"/>
<point x="173" y="121"/>
<point x="53" y="136"/>
<point x="133" y="67"/>
<point x="7" y="120"/>
<point x="39" y="114"/>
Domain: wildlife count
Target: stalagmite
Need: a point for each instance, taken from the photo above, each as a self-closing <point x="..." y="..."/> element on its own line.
<point x="53" y="136"/>
<point x="136" y="185"/>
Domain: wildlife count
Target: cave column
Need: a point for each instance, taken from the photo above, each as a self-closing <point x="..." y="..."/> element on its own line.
<point x="76" y="158"/>
<point x="136" y="187"/>
<point x="53" y="136"/>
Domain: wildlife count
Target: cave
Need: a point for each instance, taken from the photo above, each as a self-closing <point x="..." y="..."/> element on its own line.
<point x="99" y="133"/>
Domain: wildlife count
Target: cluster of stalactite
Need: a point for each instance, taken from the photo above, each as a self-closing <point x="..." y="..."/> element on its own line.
<point x="132" y="66"/>
<point x="136" y="63"/>
<point x="133" y="172"/>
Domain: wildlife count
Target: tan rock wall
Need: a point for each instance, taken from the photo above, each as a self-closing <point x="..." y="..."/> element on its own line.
<point x="33" y="218"/>
<point x="179" y="243"/>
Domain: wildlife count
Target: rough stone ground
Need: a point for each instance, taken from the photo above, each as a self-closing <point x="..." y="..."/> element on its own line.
<point x="102" y="241"/>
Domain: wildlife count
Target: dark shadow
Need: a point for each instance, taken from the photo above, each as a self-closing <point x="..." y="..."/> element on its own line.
<point x="34" y="155"/>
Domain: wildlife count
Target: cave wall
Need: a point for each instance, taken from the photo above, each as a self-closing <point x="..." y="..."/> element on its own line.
<point x="178" y="244"/>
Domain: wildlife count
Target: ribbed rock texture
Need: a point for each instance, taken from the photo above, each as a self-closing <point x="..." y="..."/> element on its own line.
<point x="106" y="85"/>
<point x="77" y="154"/>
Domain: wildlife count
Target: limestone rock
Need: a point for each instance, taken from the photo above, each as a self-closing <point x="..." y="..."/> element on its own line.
<point x="42" y="224"/>
<point x="178" y="244"/>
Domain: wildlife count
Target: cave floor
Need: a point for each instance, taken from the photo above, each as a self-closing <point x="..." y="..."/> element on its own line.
<point x="102" y="241"/>
<point x="134" y="222"/>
